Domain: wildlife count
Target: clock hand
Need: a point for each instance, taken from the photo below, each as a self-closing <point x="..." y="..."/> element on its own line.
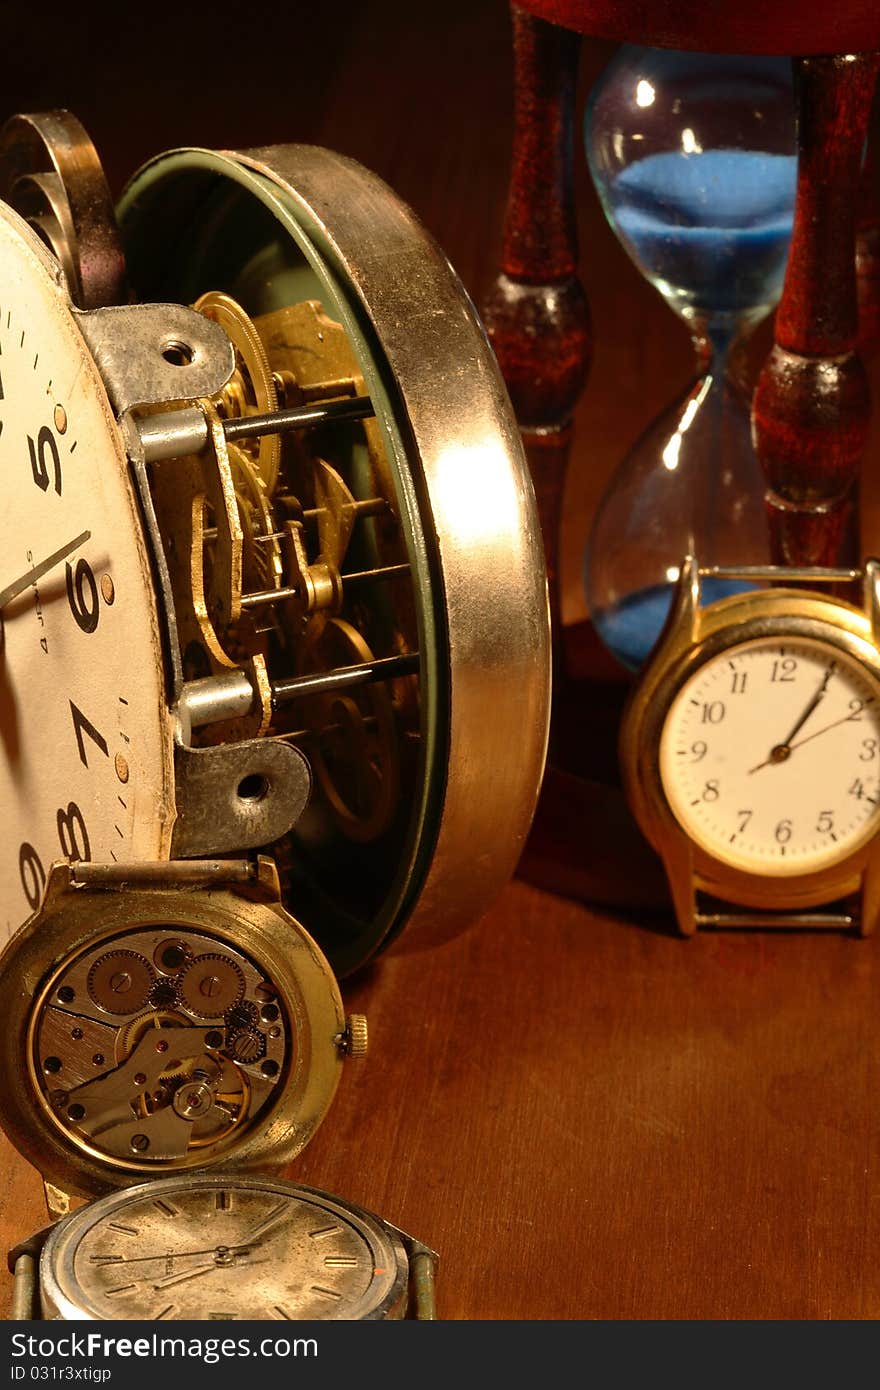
<point x="845" y="719"/>
<point x="781" y="751"/>
<point x="786" y="743"/>
<point x="187" y="1274"/>
<point x="36" y="572"/>
<point x="169" y="1254"/>
<point x="266" y="1225"/>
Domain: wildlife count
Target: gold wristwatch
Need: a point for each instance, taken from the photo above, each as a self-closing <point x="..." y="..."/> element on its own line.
<point x="274" y="614"/>
<point x="750" y="748"/>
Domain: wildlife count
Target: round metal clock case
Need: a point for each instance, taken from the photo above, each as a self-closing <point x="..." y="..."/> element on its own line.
<point x="177" y="619"/>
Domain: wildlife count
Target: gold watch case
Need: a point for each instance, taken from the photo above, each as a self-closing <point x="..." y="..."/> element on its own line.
<point x="693" y="636"/>
<point x="119" y="948"/>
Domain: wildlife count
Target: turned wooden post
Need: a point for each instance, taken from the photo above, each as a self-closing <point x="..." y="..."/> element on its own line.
<point x="811" y="406"/>
<point x="536" y="312"/>
<point x="868" y="240"/>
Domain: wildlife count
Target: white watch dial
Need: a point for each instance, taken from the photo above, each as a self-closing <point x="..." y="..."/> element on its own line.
<point x="86" y="771"/>
<point x="769" y="756"/>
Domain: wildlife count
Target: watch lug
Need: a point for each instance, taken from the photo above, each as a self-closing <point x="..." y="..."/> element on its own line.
<point x="423" y="1265"/>
<point x="60" y="882"/>
<point x="870" y="895"/>
<point x="267" y="885"/>
<point x="685" y="611"/>
<point x="678" y="863"/>
<point x="683" y="619"/>
<point x="871" y="597"/>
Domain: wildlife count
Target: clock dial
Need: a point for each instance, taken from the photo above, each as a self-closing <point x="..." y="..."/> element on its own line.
<point x="770" y="756"/>
<point x="225" y="1249"/>
<point x="86" y="767"/>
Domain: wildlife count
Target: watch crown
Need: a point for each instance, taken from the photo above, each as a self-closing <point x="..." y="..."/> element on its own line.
<point x="353" y="1042"/>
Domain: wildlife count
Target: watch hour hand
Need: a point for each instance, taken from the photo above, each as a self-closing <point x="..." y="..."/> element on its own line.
<point x="844" y="719"/>
<point x="275" y="1217"/>
<point x="36" y="572"/>
<point x="170" y="1279"/>
<point x="781" y="751"/>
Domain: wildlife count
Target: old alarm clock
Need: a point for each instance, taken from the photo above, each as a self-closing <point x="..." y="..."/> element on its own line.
<point x="274" y="617"/>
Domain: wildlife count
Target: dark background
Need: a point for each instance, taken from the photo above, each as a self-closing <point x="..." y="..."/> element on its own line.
<point x="422" y="94"/>
<point x="587" y="1118"/>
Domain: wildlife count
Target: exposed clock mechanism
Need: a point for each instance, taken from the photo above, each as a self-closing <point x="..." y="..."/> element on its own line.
<point x="282" y="579"/>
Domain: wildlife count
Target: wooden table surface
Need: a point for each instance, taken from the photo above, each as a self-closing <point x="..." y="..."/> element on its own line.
<point x="590" y="1118"/>
<point x="587" y="1117"/>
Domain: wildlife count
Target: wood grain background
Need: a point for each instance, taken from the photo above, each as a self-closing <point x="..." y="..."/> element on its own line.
<point x="587" y="1117"/>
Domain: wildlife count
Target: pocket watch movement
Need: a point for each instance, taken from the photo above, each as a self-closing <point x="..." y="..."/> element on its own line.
<point x="162" y="1018"/>
<point x="751" y="749"/>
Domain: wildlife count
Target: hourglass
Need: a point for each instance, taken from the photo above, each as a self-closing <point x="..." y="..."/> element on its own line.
<point x="694" y="159"/>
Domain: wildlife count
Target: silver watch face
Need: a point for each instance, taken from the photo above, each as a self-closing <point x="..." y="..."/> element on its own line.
<point x="222" y="1248"/>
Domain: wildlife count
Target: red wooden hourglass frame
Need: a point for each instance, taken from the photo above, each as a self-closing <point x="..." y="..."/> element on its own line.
<point x="811" y="405"/>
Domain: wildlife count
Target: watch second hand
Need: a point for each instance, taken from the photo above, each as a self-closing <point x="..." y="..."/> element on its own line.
<point x="36" y="572"/>
<point x="846" y="719"/>
<point x="781" y="751"/>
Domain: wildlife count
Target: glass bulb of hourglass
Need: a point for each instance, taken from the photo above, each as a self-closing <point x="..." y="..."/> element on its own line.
<point x="694" y="159"/>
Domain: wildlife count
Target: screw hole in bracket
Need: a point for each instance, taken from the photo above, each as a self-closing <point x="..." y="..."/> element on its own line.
<point x="253" y="787"/>
<point x="177" y="353"/>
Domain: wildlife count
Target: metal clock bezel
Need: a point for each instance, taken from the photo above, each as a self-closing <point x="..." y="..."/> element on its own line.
<point x="59" y="1283"/>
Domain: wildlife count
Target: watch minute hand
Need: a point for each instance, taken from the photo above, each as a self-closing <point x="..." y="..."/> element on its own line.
<point x="187" y="1274"/>
<point x="36" y="572"/>
<point x="266" y="1225"/>
<point x="786" y="742"/>
<point x="780" y="752"/>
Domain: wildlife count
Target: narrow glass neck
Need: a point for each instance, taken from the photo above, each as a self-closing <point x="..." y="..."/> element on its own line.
<point x="715" y="334"/>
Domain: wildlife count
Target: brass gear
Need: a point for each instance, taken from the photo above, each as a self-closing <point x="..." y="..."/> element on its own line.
<point x="211" y="986"/>
<point x="248" y="1046"/>
<point x="232" y="1099"/>
<point x="261" y="557"/>
<point x="252" y="389"/>
<point x="358" y="765"/>
<point x="131" y="1033"/>
<point x="120" y="982"/>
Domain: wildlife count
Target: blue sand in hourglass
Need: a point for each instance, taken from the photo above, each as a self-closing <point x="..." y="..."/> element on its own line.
<point x="631" y="628"/>
<point x="711" y="228"/>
